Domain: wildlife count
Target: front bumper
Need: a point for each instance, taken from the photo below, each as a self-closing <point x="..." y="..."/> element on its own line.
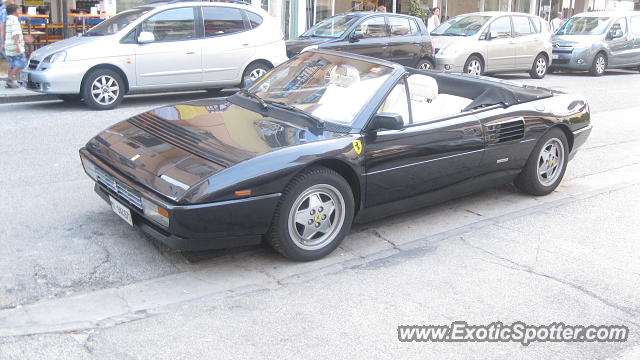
<point x="214" y="225"/>
<point x="453" y="64"/>
<point x="55" y="79"/>
<point x="579" y="138"/>
<point x="572" y="58"/>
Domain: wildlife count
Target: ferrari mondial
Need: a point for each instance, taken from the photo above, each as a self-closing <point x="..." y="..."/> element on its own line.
<point x="325" y="139"/>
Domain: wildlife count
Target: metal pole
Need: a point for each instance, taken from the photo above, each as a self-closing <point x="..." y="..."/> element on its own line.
<point x="394" y="6"/>
<point x="65" y="20"/>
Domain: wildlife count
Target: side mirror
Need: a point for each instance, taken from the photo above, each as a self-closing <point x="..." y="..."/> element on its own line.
<point x="616" y="34"/>
<point x="492" y="35"/>
<point x="355" y="36"/>
<point x="146" y="37"/>
<point x="388" y="121"/>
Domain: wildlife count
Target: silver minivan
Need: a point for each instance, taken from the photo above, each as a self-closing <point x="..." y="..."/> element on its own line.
<point x="159" y="46"/>
<point x="493" y="42"/>
<point x="595" y="41"/>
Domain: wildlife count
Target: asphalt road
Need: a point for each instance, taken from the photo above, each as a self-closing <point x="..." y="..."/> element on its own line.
<point x="497" y="255"/>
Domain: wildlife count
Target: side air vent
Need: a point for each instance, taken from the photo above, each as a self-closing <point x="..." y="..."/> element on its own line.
<point x="505" y="131"/>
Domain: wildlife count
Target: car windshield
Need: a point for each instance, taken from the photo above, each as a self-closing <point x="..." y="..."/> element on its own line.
<point x="332" y="27"/>
<point x="331" y="88"/>
<point x="584" y="25"/>
<point x="117" y="22"/>
<point x="461" y="26"/>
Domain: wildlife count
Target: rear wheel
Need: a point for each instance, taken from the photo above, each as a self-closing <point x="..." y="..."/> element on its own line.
<point x="253" y="73"/>
<point x="314" y="215"/>
<point x="425" y="64"/>
<point x="103" y="89"/>
<point x="474" y="65"/>
<point x="539" y="68"/>
<point x="599" y="65"/>
<point x="69" y="97"/>
<point x="546" y="165"/>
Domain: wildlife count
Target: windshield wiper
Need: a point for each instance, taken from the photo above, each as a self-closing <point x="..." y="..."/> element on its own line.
<point x="255" y="97"/>
<point x="319" y="122"/>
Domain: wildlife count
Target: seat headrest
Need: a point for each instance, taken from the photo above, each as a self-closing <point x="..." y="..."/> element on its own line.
<point x="344" y="75"/>
<point x="422" y="88"/>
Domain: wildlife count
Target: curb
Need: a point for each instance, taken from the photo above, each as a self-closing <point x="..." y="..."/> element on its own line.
<point x="25" y="98"/>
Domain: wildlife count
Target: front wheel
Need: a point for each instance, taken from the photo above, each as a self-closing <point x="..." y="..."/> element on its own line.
<point x="425" y="64"/>
<point x="546" y="165"/>
<point x="539" y="68"/>
<point x="253" y="73"/>
<point x="314" y="215"/>
<point x="473" y="66"/>
<point x="103" y="89"/>
<point x="599" y="65"/>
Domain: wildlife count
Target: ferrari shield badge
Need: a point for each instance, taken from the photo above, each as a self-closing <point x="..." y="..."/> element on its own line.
<point x="357" y="146"/>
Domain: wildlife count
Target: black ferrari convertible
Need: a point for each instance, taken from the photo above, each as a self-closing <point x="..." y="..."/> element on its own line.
<point x="325" y="139"/>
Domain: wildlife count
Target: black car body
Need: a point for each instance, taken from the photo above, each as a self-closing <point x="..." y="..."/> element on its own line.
<point x="224" y="172"/>
<point x="395" y="37"/>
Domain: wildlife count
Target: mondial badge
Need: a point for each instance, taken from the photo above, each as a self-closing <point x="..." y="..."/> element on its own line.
<point x="357" y="146"/>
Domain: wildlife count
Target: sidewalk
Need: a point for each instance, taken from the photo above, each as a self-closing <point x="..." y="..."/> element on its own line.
<point x="17" y="95"/>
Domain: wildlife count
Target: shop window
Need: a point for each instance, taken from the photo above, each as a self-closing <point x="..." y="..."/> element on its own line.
<point x="521" y="26"/>
<point x="222" y="21"/>
<point x="171" y="25"/>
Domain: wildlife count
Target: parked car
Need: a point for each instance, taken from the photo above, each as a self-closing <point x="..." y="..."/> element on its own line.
<point x="493" y="42"/>
<point x="595" y="41"/>
<point x="395" y="37"/>
<point x="161" y="46"/>
<point x="322" y="139"/>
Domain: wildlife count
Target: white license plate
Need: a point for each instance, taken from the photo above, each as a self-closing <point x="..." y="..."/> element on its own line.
<point x="122" y="211"/>
<point x="24" y="76"/>
<point x="556" y="56"/>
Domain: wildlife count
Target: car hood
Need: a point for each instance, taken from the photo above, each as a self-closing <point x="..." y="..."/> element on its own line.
<point x="173" y="148"/>
<point x="295" y="46"/>
<point x="576" y="39"/>
<point x="62" y="45"/>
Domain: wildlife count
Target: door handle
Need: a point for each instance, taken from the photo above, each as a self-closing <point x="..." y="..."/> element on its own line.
<point x="245" y="44"/>
<point x="191" y="52"/>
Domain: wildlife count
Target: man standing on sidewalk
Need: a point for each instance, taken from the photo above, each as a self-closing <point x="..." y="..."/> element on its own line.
<point x="3" y="20"/>
<point x="556" y="23"/>
<point x="14" y="46"/>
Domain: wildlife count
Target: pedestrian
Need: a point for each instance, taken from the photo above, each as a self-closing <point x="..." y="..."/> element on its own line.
<point x="381" y="8"/>
<point x="14" y="46"/>
<point x="556" y="23"/>
<point x="370" y="6"/>
<point x="3" y="20"/>
<point x="434" y="19"/>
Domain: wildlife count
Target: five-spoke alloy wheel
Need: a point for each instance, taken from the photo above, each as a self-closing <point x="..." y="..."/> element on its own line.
<point x="425" y="64"/>
<point x="546" y="164"/>
<point x="314" y="215"/>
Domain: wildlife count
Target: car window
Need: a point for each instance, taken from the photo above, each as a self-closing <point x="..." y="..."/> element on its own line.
<point x="619" y="26"/>
<point x="415" y="29"/>
<point x="536" y="24"/>
<point x="399" y="26"/>
<point x="373" y="27"/>
<point x="254" y="19"/>
<point x="397" y="102"/>
<point x="221" y="20"/>
<point x="502" y="26"/>
<point x="635" y="26"/>
<point x="521" y="26"/>
<point x="171" y="25"/>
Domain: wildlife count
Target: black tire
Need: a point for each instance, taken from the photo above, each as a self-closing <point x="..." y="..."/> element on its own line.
<point x="249" y="74"/>
<point x="70" y="98"/>
<point x="473" y="63"/>
<point x="425" y="64"/>
<point x="528" y="180"/>
<point x="214" y="91"/>
<point x="111" y="97"/>
<point x="285" y="233"/>
<point x="551" y="70"/>
<point x="540" y="67"/>
<point x="596" y="69"/>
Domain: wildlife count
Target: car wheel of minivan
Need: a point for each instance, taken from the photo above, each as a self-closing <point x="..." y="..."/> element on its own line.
<point x="539" y="68"/>
<point x="425" y="64"/>
<point x="103" y="89"/>
<point x="253" y="73"/>
<point x="599" y="65"/>
<point x="473" y="65"/>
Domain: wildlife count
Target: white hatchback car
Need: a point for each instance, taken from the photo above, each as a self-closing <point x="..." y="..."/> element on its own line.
<point x="159" y="47"/>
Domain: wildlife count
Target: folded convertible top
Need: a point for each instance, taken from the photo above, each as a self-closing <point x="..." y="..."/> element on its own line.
<point x="485" y="92"/>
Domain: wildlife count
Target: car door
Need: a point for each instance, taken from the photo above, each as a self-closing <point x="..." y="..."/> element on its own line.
<point x="405" y="41"/>
<point x="634" y="29"/>
<point x="174" y="57"/>
<point x="620" y="49"/>
<point x="526" y="42"/>
<point x="372" y="39"/>
<point x="501" y="49"/>
<point x="421" y="157"/>
<point x="228" y="43"/>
